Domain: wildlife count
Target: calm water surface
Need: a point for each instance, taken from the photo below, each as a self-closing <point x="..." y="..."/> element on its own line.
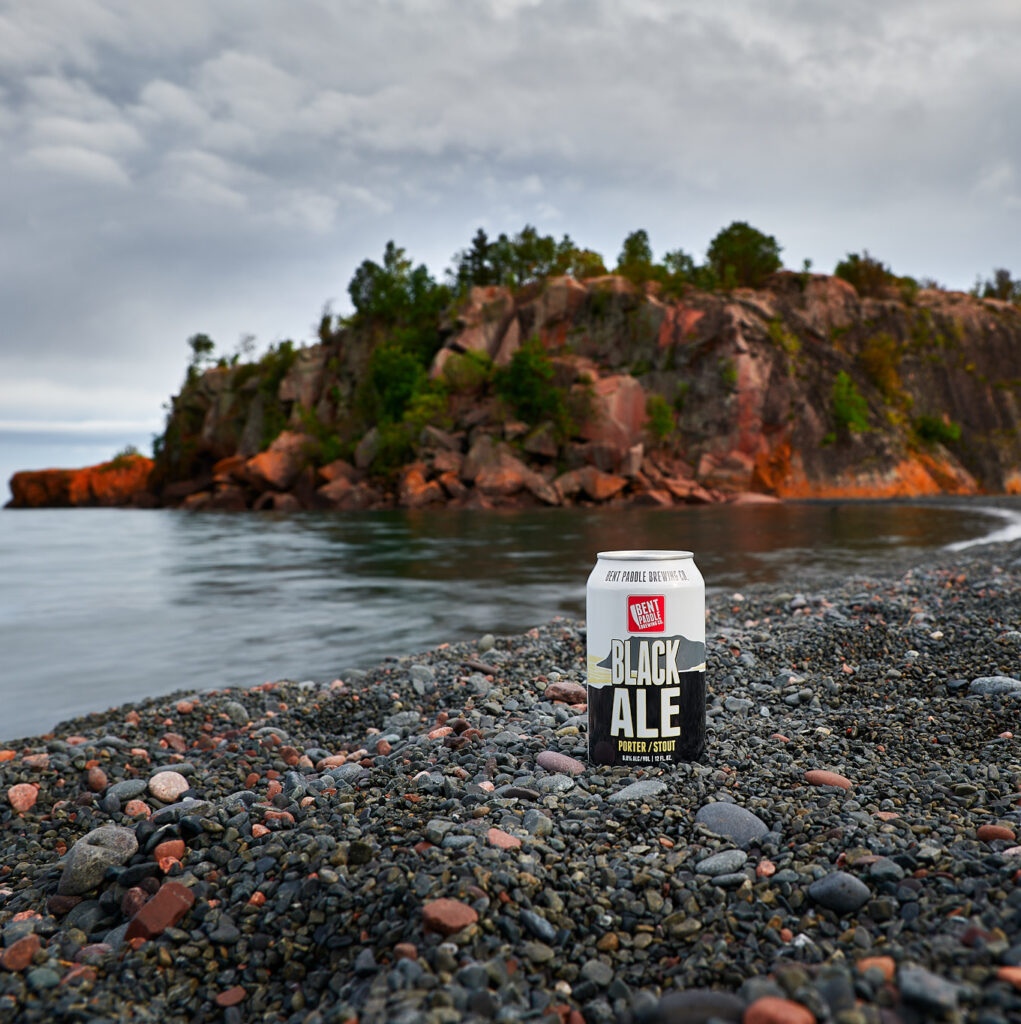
<point x="103" y="606"/>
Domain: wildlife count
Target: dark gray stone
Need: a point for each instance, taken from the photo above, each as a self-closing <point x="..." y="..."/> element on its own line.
<point x="840" y="892"/>
<point x="736" y="823"/>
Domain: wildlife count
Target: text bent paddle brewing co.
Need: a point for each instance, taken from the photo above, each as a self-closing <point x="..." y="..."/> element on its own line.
<point x="645" y="614"/>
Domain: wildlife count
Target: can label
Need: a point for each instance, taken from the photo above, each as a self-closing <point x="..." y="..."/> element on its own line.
<point x="646" y="670"/>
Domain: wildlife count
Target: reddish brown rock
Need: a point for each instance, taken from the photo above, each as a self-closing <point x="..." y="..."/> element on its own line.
<point x="163" y="911"/>
<point x="654" y="499"/>
<point x="95" y="779"/>
<point x="502" y="840"/>
<point x="137" y="809"/>
<point x="600" y="486"/>
<point x="278" y="467"/>
<point x="447" y="916"/>
<point x="774" y="1010"/>
<point x="987" y="833"/>
<point x="405" y="951"/>
<point x="339" y="469"/>
<point x="118" y="482"/>
<point x="230" y="996"/>
<point x="572" y="693"/>
<point x="22" y="797"/>
<point x="554" y="761"/>
<point x="18" y="955"/>
<point x="414" y="491"/>
<point x="274" y="501"/>
<point x="886" y="964"/>
<point x="821" y="777"/>
<point x="133" y="900"/>
<point x="173" y="848"/>
<point x="1012" y="975"/>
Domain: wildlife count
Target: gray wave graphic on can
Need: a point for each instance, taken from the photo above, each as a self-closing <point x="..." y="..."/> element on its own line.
<point x="688" y="654"/>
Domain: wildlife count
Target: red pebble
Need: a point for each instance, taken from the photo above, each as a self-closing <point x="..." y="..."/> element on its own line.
<point x="447" y="916"/>
<point x="163" y="911"/>
<point x="765" y="869"/>
<point x="273" y="788"/>
<point x="96" y="780"/>
<point x="383" y="748"/>
<point x="23" y="796"/>
<point x="774" y="1010"/>
<point x="405" y="951"/>
<point x="185" y="707"/>
<point x="259" y="830"/>
<point x="821" y="777"/>
<point x="570" y="693"/>
<point x="37" y="760"/>
<point x="503" y="840"/>
<point x="1010" y="974"/>
<point x="257" y="899"/>
<point x="987" y="833"/>
<point x="79" y="974"/>
<point x="250" y="780"/>
<point x="231" y="997"/>
<point x="18" y="955"/>
<point x="137" y="809"/>
<point x="886" y="964"/>
<point x="170" y="848"/>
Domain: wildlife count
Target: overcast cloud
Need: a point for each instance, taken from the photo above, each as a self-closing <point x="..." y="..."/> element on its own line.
<point x="168" y="169"/>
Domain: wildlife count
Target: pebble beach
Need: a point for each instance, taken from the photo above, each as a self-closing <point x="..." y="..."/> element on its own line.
<point x="424" y="842"/>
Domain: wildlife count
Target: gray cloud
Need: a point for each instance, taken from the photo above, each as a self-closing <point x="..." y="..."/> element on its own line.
<point x="225" y="167"/>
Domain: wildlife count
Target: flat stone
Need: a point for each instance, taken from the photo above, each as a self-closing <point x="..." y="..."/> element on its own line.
<point x="554" y="761"/>
<point x="572" y="693"/>
<point x="736" y="823"/>
<point x="774" y="1010"/>
<point x="821" y="777"/>
<point x="840" y="892"/>
<point x="18" y="955"/>
<point x="928" y="990"/>
<point x="555" y="783"/>
<point x="448" y="916"/>
<point x="236" y="712"/>
<point x="171" y="902"/>
<point x="644" y="789"/>
<point x="87" y="861"/>
<point x="597" y="971"/>
<point x="991" y="686"/>
<point x="502" y="840"/>
<point x="987" y="833"/>
<point x="722" y="863"/>
<point x="697" y="1005"/>
<point x="536" y="823"/>
<point x="230" y="996"/>
<point x="537" y="925"/>
<point x="128" y="789"/>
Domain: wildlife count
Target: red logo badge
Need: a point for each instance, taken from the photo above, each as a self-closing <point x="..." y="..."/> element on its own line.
<point x="646" y="614"/>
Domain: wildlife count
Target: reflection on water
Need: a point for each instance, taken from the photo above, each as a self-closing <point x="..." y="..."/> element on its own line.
<point x="99" y="607"/>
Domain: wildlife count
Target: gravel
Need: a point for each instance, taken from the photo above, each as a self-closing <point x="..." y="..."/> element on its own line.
<point x="425" y="841"/>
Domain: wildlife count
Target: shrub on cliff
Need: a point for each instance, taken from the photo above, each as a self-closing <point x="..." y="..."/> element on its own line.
<point x="742" y="256"/>
<point x="1001" y="286"/>
<point x="850" y="410"/>
<point x="526" y="384"/>
<point x="870" y="277"/>
<point x="937" y="429"/>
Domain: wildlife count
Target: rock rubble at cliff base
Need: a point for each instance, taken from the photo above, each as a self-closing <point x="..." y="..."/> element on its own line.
<point x="424" y="841"/>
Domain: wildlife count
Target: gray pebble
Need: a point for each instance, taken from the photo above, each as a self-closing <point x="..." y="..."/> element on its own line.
<point x="644" y="789"/>
<point x="87" y="861"/>
<point x="736" y="823"/>
<point x="928" y="990"/>
<point x="988" y="686"/>
<point x="722" y="863"/>
<point x="840" y="892"/>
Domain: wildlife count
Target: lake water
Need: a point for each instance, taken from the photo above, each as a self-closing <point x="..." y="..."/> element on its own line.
<point x="103" y="606"/>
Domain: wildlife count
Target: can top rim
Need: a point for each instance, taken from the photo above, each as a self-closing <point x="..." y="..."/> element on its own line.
<point x="644" y="556"/>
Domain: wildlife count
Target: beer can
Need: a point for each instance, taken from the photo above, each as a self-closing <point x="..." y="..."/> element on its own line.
<point x="645" y="616"/>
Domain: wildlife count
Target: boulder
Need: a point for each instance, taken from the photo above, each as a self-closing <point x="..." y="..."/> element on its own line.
<point x="451" y="483"/>
<point x="367" y="448"/>
<point x="731" y="470"/>
<point x="542" y="441"/>
<point x="339" y="468"/>
<point x="618" y="411"/>
<point x="593" y="482"/>
<point x="230" y="470"/>
<point x="278" y="467"/>
<point x="445" y="461"/>
<point x="276" y="501"/>
<point x="335" y="491"/>
<point x="414" y="491"/>
<point x="509" y="343"/>
<point x="227" y="497"/>
<point x="304" y="380"/>
<point x="653" y="499"/>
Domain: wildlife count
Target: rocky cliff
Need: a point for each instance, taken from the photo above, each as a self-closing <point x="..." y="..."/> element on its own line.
<point x="800" y="389"/>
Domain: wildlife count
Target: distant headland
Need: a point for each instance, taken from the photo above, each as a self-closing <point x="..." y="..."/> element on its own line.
<point x="534" y="377"/>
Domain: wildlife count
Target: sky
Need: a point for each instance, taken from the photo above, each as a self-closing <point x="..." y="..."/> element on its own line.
<point x="168" y="169"/>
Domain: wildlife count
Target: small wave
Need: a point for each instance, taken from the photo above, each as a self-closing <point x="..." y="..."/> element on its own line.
<point x="1010" y="531"/>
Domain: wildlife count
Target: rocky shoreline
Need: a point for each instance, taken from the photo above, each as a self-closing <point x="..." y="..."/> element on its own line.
<point x="423" y="842"/>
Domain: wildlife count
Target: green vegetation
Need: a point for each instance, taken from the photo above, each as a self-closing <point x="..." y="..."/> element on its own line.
<point x="661" y="422"/>
<point x="937" y="430"/>
<point x="1000" y="286"/>
<point x="850" y="410"/>
<point x="526" y="384"/>
<point x="880" y="359"/>
<point x="742" y="256"/>
<point x="784" y="339"/>
<point x="728" y="374"/>
<point x="869" y="276"/>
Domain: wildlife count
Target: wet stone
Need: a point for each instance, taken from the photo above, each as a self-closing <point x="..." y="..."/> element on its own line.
<point x="644" y="789"/>
<point x="927" y="990"/>
<point x="87" y="861"/>
<point x="987" y="686"/>
<point x="840" y="892"/>
<point x="723" y="863"/>
<point x="736" y="823"/>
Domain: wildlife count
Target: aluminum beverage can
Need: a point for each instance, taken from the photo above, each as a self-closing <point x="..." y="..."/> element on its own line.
<point x="645" y="616"/>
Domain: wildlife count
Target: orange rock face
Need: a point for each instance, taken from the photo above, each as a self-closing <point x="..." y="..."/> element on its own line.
<point x="119" y="482"/>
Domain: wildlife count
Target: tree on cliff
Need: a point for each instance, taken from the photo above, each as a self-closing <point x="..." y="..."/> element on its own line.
<point x="396" y="293"/>
<point x="742" y="256"/>
<point x="1002" y="286"/>
<point x="635" y="259"/>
